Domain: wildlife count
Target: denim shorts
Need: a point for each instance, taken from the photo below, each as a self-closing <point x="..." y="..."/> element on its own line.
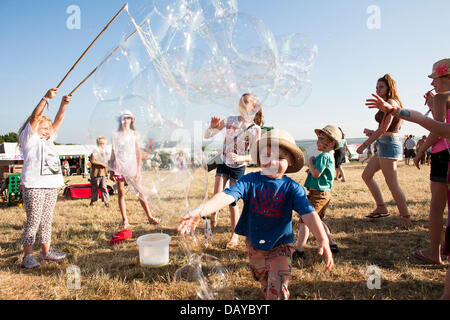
<point x="231" y="173"/>
<point x="389" y="147"/>
<point x="439" y="166"/>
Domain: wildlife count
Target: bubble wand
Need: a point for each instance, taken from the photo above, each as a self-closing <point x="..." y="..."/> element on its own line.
<point x="104" y="29"/>
<point x="114" y="51"/>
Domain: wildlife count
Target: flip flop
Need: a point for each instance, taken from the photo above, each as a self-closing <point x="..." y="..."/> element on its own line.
<point x="377" y="215"/>
<point x="418" y="254"/>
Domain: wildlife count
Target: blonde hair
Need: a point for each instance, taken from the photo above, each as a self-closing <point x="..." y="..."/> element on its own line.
<point x="40" y="119"/>
<point x="100" y="139"/>
<point x="246" y="98"/>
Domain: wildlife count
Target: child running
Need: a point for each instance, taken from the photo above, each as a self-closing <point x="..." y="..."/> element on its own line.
<point x="319" y="182"/>
<point x="41" y="179"/>
<point x="266" y="220"/>
<point x="126" y="160"/>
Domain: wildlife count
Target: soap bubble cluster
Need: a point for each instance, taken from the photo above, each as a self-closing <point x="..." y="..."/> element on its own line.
<point x="188" y="53"/>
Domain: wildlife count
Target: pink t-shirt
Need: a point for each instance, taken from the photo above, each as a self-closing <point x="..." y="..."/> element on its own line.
<point x="442" y="144"/>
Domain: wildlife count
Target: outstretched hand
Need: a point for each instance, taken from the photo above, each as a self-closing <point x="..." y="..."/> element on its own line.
<point x="380" y="104"/>
<point x="325" y="250"/>
<point x="189" y="223"/>
<point x="215" y="122"/>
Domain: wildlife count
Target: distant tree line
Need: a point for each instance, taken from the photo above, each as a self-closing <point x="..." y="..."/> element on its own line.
<point x="10" y="137"/>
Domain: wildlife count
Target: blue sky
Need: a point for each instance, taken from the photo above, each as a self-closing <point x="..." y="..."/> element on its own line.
<point x="38" y="49"/>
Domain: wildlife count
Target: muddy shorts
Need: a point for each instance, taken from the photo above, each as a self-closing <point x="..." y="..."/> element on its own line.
<point x="319" y="200"/>
<point x="272" y="269"/>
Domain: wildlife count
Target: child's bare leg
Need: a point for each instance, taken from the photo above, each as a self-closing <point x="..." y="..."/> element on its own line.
<point x="146" y="208"/>
<point x="121" y="199"/>
<point x="303" y="235"/>
<point x="327" y="231"/>
<point x="234" y="218"/>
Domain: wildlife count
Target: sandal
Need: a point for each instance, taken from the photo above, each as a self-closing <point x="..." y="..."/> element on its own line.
<point x="378" y="213"/>
<point x="418" y="254"/>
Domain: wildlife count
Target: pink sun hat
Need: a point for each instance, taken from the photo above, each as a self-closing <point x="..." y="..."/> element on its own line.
<point x="440" y="69"/>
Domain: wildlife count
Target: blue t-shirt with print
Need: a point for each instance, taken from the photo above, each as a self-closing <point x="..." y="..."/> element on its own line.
<point x="266" y="218"/>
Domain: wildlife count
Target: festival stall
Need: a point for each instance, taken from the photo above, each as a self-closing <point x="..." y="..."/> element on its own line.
<point x="77" y="156"/>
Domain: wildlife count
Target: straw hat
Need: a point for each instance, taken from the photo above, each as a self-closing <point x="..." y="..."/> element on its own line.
<point x="284" y="140"/>
<point x="440" y="68"/>
<point x="333" y="133"/>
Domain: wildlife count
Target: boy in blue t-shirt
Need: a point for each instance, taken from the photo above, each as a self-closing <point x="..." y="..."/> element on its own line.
<point x="266" y="220"/>
<point x="321" y="170"/>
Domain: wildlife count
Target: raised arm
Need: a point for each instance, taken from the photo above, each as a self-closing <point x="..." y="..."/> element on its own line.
<point x="215" y="126"/>
<point x="61" y="113"/>
<point x="40" y="108"/>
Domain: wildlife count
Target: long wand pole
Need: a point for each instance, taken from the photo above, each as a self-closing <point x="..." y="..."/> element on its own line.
<point x="104" y="29"/>
<point x="114" y="51"/>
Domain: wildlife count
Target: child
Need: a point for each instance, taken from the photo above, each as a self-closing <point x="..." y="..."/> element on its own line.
<point x="126" y="162"/>
<point x="99" y="172"/>
<point x="241" y="132"/>
<point x="319" y="183"/>
<point x="41" y="179"/>
<point x="266" y="220"/>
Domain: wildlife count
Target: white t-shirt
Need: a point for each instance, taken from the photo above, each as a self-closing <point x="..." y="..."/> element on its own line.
<point x="125" y="146"/>
<point x="41" y="164"/>
<point x="239" y="145"/>
<point x="410" y="144"/>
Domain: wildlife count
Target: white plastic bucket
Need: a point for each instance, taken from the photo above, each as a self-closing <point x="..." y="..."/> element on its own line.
<point x="154" y="249"/>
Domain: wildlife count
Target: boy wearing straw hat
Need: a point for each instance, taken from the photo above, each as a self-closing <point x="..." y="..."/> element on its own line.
<point x="266" y="220"/>
<point x="319" y="182"/>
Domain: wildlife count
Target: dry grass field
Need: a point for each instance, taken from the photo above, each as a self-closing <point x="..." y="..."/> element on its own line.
<point x="83" y="232"/>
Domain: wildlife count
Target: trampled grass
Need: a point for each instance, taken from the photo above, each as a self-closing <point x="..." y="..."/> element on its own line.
<point x="83" y="232"/>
